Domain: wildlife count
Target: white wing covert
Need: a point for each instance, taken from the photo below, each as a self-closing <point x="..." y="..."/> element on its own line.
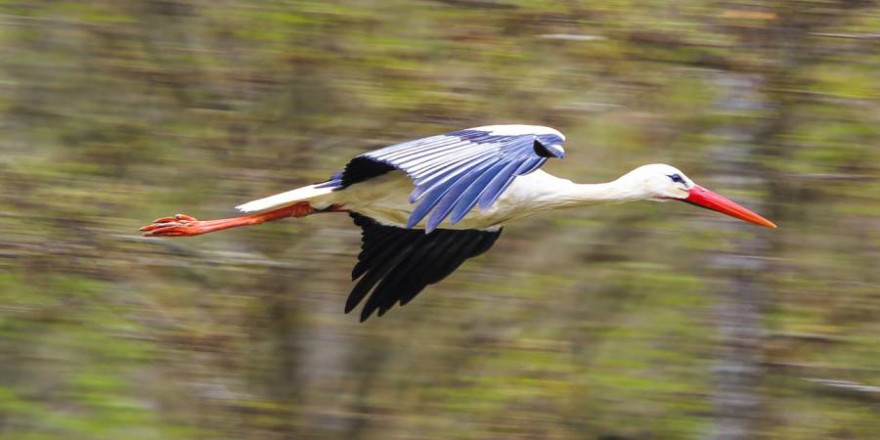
<point x="455" y="171"/>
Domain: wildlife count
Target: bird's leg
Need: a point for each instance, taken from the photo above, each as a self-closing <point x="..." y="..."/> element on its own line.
<point x="182" y="225"/>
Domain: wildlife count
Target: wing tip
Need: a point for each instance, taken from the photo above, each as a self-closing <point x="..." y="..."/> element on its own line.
<point x="408" y="264"/>
<point x="548" y="149"/>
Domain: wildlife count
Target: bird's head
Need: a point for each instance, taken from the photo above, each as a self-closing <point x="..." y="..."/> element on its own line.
<point x="661" y="182"/>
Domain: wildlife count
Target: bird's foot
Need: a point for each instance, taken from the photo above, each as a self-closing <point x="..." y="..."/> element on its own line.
<point x="182" y="225"/>
<point x="179" y="225"/>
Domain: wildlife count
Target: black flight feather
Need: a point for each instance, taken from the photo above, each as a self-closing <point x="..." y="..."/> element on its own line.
<point x="395" y="264"/>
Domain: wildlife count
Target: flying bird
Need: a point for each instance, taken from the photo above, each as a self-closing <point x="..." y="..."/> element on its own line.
<point x="427" y="205"/>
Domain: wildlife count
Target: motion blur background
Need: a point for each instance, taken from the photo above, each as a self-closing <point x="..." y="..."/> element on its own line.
<point x="638" y="321"/>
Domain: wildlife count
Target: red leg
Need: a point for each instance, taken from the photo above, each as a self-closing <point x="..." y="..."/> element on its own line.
<point x="182" y="225"/>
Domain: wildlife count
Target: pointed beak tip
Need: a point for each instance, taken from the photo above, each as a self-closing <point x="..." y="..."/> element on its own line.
<point x="765" y="223"/>
<point x="707" y="199"/>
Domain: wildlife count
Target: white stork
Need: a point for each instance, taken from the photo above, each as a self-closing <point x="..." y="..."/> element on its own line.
<point x="427" y="205"/>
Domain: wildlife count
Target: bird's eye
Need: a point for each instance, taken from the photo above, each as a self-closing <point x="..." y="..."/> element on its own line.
<point x="676" y="178"/>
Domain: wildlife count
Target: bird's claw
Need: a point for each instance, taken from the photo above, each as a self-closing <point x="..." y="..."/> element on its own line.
<point x="173" y="226"/>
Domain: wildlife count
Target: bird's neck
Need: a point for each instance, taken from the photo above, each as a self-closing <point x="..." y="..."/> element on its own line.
<point x="578" y="194"/>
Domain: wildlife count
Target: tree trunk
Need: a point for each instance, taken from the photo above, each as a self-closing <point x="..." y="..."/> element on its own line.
<point x="740" y="292"/>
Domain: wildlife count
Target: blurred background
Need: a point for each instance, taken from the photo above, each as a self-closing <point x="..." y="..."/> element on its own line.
<point x="637" y="321"/>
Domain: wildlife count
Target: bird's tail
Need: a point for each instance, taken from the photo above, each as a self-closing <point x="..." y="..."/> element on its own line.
<point x="287" y="198"/>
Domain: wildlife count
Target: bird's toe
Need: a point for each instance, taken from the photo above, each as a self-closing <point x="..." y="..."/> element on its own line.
<point x="176" y="225"/>
<point x="184" y="217"/>
<point x="171" y="229"/>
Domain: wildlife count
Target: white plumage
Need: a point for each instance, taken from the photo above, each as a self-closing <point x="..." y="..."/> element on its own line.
<point x="283" y="199"/>
<point x="518" y="130"/>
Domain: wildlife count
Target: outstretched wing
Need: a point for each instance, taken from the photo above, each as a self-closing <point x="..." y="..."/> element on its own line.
<point x="455" y="171"/>
<point x="395" y="264"/>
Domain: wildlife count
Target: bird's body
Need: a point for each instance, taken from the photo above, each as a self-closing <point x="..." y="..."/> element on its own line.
<point x="425" y="206"/>
<point x="386" y="199"/>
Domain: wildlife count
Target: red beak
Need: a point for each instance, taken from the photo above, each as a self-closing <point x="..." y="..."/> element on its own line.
<point x="704" y="198"/>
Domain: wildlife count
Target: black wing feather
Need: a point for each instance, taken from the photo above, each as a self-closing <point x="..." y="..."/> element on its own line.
<point x="395" y="264"/>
